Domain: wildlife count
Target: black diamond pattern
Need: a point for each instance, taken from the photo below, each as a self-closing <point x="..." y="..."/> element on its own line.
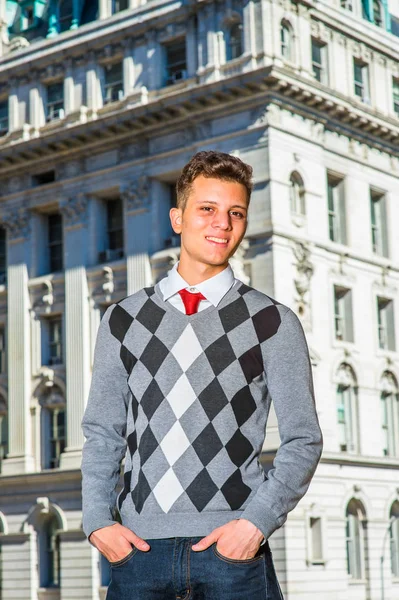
<point x="235" y="491"/>
<point x="127" y="477"/>
<point x="135" y="407"/>
<point x="239" y="448"/>
<point x="132" y="442"/>
<point x="207" y="444"/>
<point x="251" y="363"/>
<point x="141" y="492"/>
<point x="147" y="444"/>
<point x="266" y="322"/>
<point x="154" y="354"/>
<point x="213" y="399"/>
<point x="244" y="289"/>
<point x="119" y="322"/>
<point x="220" y="354"/>
<point x="243" y="405"/>
<point x="128" y="359"/>
<point x="234" y="314"/>
<point x="201" y="490"/>
<point x="150" y="315"/>
<point x="151" y="399"/>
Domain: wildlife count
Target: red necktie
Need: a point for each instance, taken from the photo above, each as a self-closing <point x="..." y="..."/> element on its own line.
<point x="191" y="300"/>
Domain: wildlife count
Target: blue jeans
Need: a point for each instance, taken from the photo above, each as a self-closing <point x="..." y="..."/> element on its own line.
<point x="171" y="570"/>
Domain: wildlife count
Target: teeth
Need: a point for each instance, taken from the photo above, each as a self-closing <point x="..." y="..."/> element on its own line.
<point x="219" y="240"/>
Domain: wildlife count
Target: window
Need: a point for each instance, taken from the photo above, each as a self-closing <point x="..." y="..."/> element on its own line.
<point x="118" y="5"/>
<point x="53" y="428"/>
<point x="390" y="415"/>
<point x="394" y="538"/>
<point x="65" y="15"/>
<point x="172" y="239"/>
<point x="3" y="255"/>
<point x="28" y="17"/>
<point x="3" y="351"/>
<point x="113" y="84"/>
<point x="286" y="40"/>
<point x="395" y="88"/>
<point x="3" y="431"/>
<point x="395" y="26"/>
<point x="49" y="553"/>
<point x="43" y="178"/>
<point x="175" y="61"/>
<point x="234" y="47"/>
<point x="361" y="80"/>
<point x="297" y="195"/>
<point x="3" y="117"/>
<point x="386" y="324"/>
<point x="319" y="61"/>
<point x="315" y="524"/>
<point x="378" y="223"/>
<point x="347" y="410"/>
<point x="336" y="209"/>
<point x="114" y="233"/>
<point x="55" y="101"/>
<point x="55" y="242"/>
<point x="378" y="13"/>
<point x="347" y="4"/>
<point x="355" y="539"/>
<point x="52" y="351"/>
<point x="343" y="314"/>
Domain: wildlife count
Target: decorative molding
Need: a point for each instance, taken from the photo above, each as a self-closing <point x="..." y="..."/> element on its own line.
<point x="108" y="285"/>
<point x="304" y="273"/>
<point x="74" y="210"/>
<point x="17" y="222"/>
<point x="136" y="194"/>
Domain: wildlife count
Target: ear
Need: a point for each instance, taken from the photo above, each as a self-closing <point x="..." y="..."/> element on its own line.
<point x="175" y="215"/>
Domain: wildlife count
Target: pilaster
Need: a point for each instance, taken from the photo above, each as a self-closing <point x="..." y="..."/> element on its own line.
<point x="19" y="459"/>
<point x="103" y="9"/>
<point x="128" y="69"/>
<point x="136" y="197"/>
<point x="74" y="212"/>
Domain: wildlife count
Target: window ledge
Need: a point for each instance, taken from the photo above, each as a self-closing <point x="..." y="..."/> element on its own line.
<point x="298" y="219"/>
<point x="357" y="582"/>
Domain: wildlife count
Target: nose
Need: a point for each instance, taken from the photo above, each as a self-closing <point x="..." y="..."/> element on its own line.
<point x="222" y="220"/>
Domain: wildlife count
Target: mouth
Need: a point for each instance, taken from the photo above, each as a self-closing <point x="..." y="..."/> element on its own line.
<point x="218" y="241"/>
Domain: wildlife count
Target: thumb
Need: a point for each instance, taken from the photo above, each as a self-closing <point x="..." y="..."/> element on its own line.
<point x="135" y="539"/>
<point x="207" y="541"/>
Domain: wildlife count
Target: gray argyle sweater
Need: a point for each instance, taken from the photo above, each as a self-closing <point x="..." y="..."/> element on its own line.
<point x="185" y="398"/>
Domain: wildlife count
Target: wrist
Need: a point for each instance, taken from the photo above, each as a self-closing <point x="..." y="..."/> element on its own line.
<point x="252" y="528"/>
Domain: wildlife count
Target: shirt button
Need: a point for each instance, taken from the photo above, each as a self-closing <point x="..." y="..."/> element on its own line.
<point x="192" y="289"/>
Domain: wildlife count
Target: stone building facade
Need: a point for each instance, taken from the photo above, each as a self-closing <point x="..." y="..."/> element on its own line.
<point x="100" y="107"/>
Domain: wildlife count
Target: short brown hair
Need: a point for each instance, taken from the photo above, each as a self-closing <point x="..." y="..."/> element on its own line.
<point x="211" y="163"/>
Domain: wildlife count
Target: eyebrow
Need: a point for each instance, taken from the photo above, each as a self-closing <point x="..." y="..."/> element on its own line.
<point x="213" y="202"/>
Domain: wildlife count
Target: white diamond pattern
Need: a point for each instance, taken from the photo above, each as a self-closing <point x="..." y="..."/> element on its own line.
<point x="181" y="396"/>
<point x="187" y="348"/>
<point x="167" y="490"/>
<point x="175" y="443"/>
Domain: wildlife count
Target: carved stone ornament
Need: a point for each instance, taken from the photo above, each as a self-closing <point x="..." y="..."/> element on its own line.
<point x="304" y="272"/>
<point x="74" y="210"/>
<point x="108" y="285"/>
<point x="269" y="115"/>
<point x="136" y="194"/>
<point x="345" y="376"/>
<point x="17" y="223"/>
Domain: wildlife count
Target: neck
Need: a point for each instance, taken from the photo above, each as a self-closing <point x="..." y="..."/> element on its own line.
<point x="195" y="272"/>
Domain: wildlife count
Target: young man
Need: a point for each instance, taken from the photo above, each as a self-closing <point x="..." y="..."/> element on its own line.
<point x="184" y="373"/>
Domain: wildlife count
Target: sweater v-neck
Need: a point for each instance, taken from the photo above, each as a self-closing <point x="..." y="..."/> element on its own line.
<point x="168" y="306"/>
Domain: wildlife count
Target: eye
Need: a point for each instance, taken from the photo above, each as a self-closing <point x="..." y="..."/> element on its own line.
<point x="206" y="208"/>
<point x="237" y="214"/>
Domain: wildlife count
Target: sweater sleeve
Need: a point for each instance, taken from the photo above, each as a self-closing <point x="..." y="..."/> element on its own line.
<point x="290" y="384"/>
<point x="104" y="427"/>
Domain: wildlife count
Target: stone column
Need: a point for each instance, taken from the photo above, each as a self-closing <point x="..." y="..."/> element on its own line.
<point x="19" y="459"/>
<point x="249" y="29"/>
<point x="94" y="100"/>
<point x="13" y="106"/>
<point x="128" y="68"/>
<point x="103" y="9"/>
<point x="136" y="197"/>
<point x="77" y="325"/>
<point x="69" y="89"/>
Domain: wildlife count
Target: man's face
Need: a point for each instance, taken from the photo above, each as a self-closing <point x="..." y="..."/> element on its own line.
<point x="213" y="222"/>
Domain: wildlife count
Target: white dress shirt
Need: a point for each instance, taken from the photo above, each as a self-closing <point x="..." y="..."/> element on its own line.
<point x="213" y="288"/>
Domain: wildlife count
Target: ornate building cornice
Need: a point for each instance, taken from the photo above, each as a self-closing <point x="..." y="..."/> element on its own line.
<point x="17" y="222"/>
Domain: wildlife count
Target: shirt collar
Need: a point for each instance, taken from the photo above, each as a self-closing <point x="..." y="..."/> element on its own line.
<point x="213" y="288"/>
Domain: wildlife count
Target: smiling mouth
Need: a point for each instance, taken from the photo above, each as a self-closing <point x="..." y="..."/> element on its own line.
<point x="221" y="241"/>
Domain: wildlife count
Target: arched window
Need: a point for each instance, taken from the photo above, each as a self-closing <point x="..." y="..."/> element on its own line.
<point x="53" y="428"/>
<point x="234" y="46"/>
<point x="49" y="551"/>
<point x="394" y="538"/>
<point x="3" y="430"/>
<point x="347" y="410"/>
<point x="297" y="195"/>
<point x="390" y="414"/>
<point x="286" y="40"/>
<point x="356" y="539"/>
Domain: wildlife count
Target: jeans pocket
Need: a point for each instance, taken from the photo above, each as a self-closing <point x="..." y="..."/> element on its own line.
<point x="257" y="558"/>
<point x="123" y="561"/>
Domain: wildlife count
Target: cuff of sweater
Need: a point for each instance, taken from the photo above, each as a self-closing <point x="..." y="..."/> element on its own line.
<point x="97" y="522"/>
<point x="263" y="519"/>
